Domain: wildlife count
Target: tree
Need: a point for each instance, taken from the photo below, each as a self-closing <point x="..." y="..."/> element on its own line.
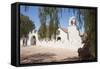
<point x="26" y="25"/>
<point x="52" y="14"/>
<point x="42" y="30"/>
<point x="89" y="25"/>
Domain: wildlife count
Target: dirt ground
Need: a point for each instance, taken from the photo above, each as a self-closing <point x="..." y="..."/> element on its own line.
<point x="39" y="54"/>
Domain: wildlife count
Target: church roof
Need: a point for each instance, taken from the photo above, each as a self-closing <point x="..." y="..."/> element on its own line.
<point x="64" y="29"/>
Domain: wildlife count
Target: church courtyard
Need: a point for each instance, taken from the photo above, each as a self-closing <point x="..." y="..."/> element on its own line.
<point x="40" y="54"/>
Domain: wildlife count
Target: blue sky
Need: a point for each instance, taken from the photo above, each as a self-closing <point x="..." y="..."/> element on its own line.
<point x="33" y="15"/>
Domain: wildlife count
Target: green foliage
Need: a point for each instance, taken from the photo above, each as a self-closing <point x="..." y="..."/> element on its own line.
<point x="42" y="31"/>
<point x="90" y="24"/>
<point x="52" y="14"/>
<point x="90" y="29"/>
<point x="26" y="25"/>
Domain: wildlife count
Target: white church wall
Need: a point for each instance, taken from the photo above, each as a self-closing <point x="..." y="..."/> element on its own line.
<point x="63" y="35"/>
<point x="63" y="43"/>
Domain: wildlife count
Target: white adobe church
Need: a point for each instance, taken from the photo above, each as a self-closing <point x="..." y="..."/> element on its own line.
<point x="62" y="35"/>
<point x="69" y="38"/>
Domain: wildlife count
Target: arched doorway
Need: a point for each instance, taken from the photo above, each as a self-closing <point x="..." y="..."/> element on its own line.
<point x="58" y="38"/>
<point x="33" y="40"/>
<point x="25" y="39"/>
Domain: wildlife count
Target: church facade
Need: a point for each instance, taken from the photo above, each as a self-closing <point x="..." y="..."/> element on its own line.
<point x="33" y="37"/>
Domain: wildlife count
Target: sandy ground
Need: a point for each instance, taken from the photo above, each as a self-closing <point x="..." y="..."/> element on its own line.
<point x="38" y="54"/>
